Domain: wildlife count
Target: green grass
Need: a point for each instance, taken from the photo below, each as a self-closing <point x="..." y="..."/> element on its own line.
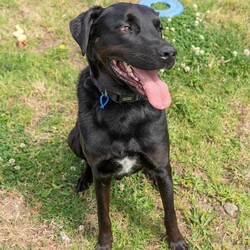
<point x="159" y="6"/>
<point x="208" y="124"/>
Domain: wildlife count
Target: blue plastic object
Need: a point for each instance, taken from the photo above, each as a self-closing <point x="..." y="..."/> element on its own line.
<point x="104" y="98"/>
<point x="175" y="7"/>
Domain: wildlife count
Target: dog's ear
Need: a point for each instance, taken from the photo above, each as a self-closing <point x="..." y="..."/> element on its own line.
<point x="80" y="26"/>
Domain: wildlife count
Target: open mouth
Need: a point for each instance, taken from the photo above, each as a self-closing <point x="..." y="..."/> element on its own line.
<point x="146" y="82"/>
<point x="126" y="73"/>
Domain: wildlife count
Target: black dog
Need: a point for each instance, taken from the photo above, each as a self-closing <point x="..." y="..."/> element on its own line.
<point x="121" y="126"/>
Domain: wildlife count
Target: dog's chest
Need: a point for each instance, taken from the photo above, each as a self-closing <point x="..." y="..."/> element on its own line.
<point x="127" y="166"/>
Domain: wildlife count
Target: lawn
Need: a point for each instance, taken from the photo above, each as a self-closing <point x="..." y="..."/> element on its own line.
<point x="208" y="124"/>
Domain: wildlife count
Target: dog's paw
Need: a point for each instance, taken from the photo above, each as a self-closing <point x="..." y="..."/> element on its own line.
<point x="152" y="178"/>
<point x="180" y="245"/>
<point x="106" y="247"/>
<point x="82" y="185"/>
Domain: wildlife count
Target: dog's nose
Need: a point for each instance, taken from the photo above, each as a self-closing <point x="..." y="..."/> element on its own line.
<point x="167" y="52"/>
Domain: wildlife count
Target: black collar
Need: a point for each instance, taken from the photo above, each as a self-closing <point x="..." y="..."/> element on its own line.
<point x="127" y="98"/>
<point x="124" y="98"/>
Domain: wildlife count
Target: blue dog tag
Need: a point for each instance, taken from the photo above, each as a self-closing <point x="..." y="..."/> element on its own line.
<point x="104" y="98"/>
<point x="175" y="7"/>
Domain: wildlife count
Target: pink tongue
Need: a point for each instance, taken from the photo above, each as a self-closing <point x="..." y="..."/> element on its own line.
<point x="156" y="90"/>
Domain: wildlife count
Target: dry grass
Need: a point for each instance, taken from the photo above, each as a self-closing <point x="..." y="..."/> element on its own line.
<point x="223" y="13"/>
<point x="20" y="229"/>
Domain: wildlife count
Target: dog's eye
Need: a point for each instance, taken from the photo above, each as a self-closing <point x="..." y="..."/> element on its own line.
<point x="126" y="29"/>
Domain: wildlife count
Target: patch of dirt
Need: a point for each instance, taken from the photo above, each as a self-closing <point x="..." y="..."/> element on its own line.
<point x="19" y="229"/>
<point x="47" y="43"/>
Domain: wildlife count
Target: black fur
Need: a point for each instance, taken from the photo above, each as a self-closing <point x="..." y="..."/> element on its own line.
<point x="135" y="130"/>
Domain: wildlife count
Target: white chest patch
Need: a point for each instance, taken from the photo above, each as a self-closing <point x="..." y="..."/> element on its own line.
<point x="127" y="165"/>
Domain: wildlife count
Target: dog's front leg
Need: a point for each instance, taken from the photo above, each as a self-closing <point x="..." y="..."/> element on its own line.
<point x="165" y="185"/>
<point x="102" y="189"/>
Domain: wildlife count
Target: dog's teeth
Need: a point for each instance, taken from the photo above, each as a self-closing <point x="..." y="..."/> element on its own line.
<point x="133" y="76"/>
<point x="127" y="67"/>
<point x="136" y="78"/>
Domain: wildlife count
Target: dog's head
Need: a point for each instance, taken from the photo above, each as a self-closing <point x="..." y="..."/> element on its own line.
<point x="125" y="41"/>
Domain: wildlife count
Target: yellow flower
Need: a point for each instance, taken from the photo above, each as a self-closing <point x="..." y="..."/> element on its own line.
<point x="62" y="47"/>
